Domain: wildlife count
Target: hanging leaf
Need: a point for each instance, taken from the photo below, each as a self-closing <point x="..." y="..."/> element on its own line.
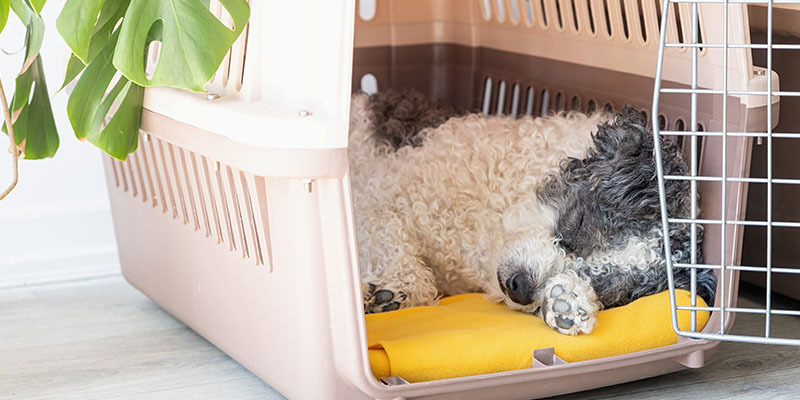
<point x="31" y="113"/>
<point x="91" y="103"/>
<point x="32" y="116"/>
<point x="4" y="5"/>
<point x="120" y="136"/>
<point x="193" y="41"/>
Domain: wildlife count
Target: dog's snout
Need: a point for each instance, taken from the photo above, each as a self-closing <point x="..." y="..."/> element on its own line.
<point x="520" y="288"/>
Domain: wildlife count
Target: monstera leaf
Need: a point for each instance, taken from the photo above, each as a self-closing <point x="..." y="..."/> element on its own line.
<point x="110" y="36"/>
<point x="31" y="114"/>
<point x="92" y="101"/>
<point x="193" y="41"/>
<point x="34" y="126"/>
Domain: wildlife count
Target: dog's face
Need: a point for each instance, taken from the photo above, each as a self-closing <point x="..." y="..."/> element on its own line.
<point x="530" y="256"/>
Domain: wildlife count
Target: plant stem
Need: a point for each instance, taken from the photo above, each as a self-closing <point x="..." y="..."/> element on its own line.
<point x="12" y="147"/>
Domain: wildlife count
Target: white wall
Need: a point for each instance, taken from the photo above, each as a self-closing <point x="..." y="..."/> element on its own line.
<point x="56" y="225"/>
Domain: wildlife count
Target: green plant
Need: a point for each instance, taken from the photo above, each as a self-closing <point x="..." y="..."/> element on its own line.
<point x="109" y="40"/>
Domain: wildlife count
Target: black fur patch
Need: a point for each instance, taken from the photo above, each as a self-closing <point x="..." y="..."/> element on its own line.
<point x="612" y="195"/>
<point x="398" y="116"/>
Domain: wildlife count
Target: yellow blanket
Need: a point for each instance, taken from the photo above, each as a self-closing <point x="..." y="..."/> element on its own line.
<point x="466" y="335"/>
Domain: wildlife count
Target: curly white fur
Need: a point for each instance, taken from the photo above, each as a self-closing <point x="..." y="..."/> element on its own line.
<point x="461" y="213"/>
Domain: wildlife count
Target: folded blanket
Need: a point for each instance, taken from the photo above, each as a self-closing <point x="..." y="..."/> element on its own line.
<point x="467" y="335"/>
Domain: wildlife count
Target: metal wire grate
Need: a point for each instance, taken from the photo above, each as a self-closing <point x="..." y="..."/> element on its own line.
<point x="724" y="264"/>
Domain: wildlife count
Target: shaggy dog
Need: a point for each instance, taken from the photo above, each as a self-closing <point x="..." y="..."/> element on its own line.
<point x="556" y="216"/>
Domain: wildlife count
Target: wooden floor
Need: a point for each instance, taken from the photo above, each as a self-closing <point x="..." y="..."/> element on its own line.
<point x="103" y="340"/>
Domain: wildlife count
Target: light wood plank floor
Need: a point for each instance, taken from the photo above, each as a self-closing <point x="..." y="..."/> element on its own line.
<point x="103" y="340"/>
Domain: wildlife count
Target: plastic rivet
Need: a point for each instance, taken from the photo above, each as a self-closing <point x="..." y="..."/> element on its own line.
<point x="305" y="113"/>
<point x="211" y="96"/>
<point x="308" y="184"/>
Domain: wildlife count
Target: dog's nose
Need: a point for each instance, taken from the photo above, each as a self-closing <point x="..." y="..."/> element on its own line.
<point x="520" y="288"/>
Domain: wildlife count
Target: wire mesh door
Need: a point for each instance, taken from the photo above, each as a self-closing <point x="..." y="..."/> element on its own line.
<point x="718" y="157"/>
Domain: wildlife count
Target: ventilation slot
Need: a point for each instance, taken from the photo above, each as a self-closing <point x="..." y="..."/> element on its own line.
<point x="226" y="199"/>
<point x="529" y="11"/>
<point x="662" y="122"/>
<point x="369" y="84"/>
<point x="501" y="12"/>
<point x="561" y="101"/>
<point x="165" y="177"/>
<point x="175" y="178"/>
<point x="658" y="13"/>
<point x="529" y="100"/>
<point x="487" y="10"/>
<point x="259" y="219"/>
<point x="609" y="107"/>
<point x="576" y="103"/>
<point x="515" y="101"/>
<point x="642" y="25"/>
<point x="591" y="106"/>
<point x="514" y="12"/>
<point x="501" y="97"/>
<point x="680" y="126"/>
<point x="133" y="160"/>
<point x="609" y="31"/>
<point x="700" y="141"/>
<point x="575" y="25"/>
<point x="210" y="169"/>
<point x="242" y="218"/>
<point x="543" y="12"/>
<point x="559" y="14"/>
<point x="591" y="15"/>
<point x="623" y="13"/>
<point x="678" y="25"/>
<point x="545" y="103"/>
<point x="199" y="189"/>
<point x="187" y="173"/>
<point x="366" y="9"/>
<point x="114" y="170"/>
<point x="146" y="156"/>
<point x="487" y="95"/>
<point x="131" y="177"/>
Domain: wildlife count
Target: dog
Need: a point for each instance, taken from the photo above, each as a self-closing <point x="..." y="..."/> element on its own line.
<point x="557" y="216"/>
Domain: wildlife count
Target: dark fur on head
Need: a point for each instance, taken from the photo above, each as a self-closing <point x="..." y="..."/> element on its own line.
<point x="612" y="195"/>
<point x="398" y="116"/>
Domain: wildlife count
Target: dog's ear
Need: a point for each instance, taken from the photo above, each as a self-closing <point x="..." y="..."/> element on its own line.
<point x="398" y="116"/>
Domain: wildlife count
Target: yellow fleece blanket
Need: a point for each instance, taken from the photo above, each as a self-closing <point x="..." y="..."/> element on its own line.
<point x="467" y="335"/>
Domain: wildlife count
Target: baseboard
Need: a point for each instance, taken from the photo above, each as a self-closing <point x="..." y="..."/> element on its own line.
<point x="50" y="246"/>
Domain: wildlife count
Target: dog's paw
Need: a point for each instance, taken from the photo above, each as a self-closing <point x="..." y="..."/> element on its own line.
<point x="380" y="298"/>
<point x="570" y="305"/>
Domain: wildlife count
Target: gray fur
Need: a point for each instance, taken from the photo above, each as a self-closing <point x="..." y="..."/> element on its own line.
<point x="398" y="116"/>
<point x="612" y="195"/>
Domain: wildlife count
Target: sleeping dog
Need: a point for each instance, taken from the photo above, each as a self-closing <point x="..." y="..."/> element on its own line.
<point x="556" y="216"/>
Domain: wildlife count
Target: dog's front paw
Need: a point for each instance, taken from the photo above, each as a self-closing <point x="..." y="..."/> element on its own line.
<point x="570" y="305"/>
<point x="379" y="298"/>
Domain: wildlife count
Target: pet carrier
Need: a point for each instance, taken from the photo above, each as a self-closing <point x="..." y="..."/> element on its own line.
<point x="234" y="214"/>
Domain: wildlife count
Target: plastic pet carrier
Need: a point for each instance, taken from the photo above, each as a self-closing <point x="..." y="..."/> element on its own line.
<point x="235" y="215"/>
